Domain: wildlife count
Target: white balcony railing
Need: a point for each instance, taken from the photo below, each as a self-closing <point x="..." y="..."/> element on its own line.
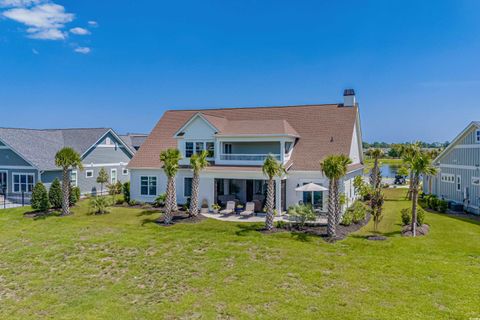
<point x="247" y="157"/>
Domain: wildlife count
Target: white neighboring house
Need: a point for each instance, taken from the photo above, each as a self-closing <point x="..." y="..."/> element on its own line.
<point x="458" y="177"/>
<point x="239" y="140"/>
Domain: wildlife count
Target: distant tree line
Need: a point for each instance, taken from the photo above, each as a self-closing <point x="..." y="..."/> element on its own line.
<point x="394" y="149"/>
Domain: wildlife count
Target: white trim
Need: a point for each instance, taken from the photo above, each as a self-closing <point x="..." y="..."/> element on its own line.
<point x="123" y="172"/>
<point x="467" y="146"/>
<point x="21" y="174"/>
<point x="116" y="137"/>
<point x="445" y="177"/>
<point x="96" y="165"/>
<point x="111" y="175"/>
<point x="148" y="185"/>
<point x="454" y="142"/>
<point x="17" y="167"/>
<point x="76" y="178"/>
<point x="476" y="184"/>
<point x="198" y="114"/>
<point x="87" y="172"/>
<point x="4" y="148"/>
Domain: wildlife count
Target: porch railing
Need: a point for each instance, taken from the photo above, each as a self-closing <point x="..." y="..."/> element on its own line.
<point x="12" y="200"/>
<point x="247" y="157"/>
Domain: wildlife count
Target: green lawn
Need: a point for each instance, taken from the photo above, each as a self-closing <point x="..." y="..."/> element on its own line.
<point x="123" y="266"/>
<point x="383" y="161"/>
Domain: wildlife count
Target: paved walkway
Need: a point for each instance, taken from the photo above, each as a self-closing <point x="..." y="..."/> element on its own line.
<point x="239" y="218"/>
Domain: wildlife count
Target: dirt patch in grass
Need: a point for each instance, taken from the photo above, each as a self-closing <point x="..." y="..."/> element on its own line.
<point x="181" y="217"/>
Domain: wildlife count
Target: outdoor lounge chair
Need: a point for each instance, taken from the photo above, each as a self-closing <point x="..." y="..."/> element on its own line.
<point x="249" y="209"/>
<point x="230" y="208"/>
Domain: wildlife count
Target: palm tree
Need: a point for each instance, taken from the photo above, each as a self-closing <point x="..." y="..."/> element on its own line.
<point x="170" y="159"/>
<point x="408" y="153"/>
<point x="67" y="159"/>
<point x="271" y="168"/>
<point x="198" y="162"/>
<point x="421" y="165"/>
<point x="375" y="177"/>
<point x="334" y="167"/>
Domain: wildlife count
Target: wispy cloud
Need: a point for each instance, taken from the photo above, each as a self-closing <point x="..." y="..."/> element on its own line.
<point x="79" y="31"/>
<point x="93" y="23"/>
<point x="83" y="50"/>
<point x="18" y="3"/>
<point x="452" y="83"/>
<point x="45" y="21"/>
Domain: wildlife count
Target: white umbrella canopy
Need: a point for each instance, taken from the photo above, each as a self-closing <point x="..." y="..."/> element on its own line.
<point x="311" y="187"/>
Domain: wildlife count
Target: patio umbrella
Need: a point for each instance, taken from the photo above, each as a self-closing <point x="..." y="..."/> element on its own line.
<point x="311" y="187"/>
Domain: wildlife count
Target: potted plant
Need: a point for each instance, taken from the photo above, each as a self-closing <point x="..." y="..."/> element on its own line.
<point x="204" y="208"/>
<point x="238" y="208"/>
<point x="216" y="207"/>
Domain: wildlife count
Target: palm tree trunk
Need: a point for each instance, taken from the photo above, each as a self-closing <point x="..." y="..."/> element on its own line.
<point x="269" y="204"/>
<point x="331" y="226"/>
<point x="414" y="205"/>
<point x="194" y="196"/>
<point x="410" y="187"/>
<point x="337" y="202"/>
<point x="167" y="219"/>
<point x="65" y="191"/>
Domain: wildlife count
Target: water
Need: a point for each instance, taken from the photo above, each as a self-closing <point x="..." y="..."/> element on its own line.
<point x="389" y="170"/>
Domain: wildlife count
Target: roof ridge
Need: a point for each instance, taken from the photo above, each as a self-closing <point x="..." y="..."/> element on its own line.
<point x="53" y="129"/>
<point x="256" y="107"/>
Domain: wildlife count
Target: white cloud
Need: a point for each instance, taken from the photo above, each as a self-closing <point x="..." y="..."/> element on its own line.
<point x="93" y="23"/>
<point x="45" y="21"/>
<point x="18" y="3"/>
<point x="79" y="31"/>
<point x="83" y="50"/>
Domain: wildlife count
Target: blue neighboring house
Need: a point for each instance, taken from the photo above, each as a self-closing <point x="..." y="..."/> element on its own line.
<point x="27" y="156"/>
<point x="458" y="177"/>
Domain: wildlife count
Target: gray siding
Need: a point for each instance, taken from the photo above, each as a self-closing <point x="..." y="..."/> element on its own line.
<point x="10" y="158"/>
<point x="451" y="163"/>
<point x="49" y="176"/>
<point x="115" y="154"/>
<point x="90" y="185"/>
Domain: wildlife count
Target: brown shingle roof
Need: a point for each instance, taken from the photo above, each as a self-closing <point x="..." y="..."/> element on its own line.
<point x="323" y="130"/>
<point x="257" y="127"/>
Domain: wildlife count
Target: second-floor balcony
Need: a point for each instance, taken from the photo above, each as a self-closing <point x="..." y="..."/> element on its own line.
<point x="248" y="157"/>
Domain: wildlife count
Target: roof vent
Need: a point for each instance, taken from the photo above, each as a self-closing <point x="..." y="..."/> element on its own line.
<point x="349" y="98"/>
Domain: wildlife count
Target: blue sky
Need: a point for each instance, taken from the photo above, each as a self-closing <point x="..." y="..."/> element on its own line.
<point x="413" y="64"/>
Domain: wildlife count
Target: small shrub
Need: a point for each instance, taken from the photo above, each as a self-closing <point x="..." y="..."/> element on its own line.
<point x="359" y="211"/>
<point x="442" y="206"/>
<point x="303" y="213"/>
<point x="99" y="205"/>
<point x="160" y="200"/>
<point x="55" y="194"/>
<point x="281" y="224"/>
<point x="406" y="216"/>
<point x="133" y="202"/>
<point x="347" y="218"/>
<point x="40" y="200"/>
<point x="186" y="206"/>
<point x="126" y="191"/>
<point x="74" y="196"/>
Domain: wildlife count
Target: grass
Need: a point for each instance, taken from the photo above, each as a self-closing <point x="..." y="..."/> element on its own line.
<point x="383" y="161"/>
<point x="124" y="266"/>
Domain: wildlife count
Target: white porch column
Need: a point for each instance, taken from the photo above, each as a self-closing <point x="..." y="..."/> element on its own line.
<point x="278" y="195"/>
<point x="282" y="151"/>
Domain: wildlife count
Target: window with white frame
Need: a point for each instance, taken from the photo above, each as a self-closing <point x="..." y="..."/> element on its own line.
<point x="113" y="176"/>
<point x="199" y="147"/>
<point x="476" y="181"/>
<point x="188" y="149"/>
<point x="125" y="171"/>
<point x="74" y="178"/>
<point x="210" y="147"/>
<point x="227" y="148"/>
<point x="108" y="141"/>
<point x="148" y="186"/>
<point x="23" y="182"/>
<point x="477" y="136"/>
<point x="187" y="187"/>
<point x="88" y="174"/>
<point x="449" y="178"/>
<point x="459" y="183"/>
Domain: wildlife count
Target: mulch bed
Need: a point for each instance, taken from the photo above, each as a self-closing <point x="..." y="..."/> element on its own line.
<point x="181" y="217"/>
<point x="320" y="231"/>
<point x="421" y="231"/>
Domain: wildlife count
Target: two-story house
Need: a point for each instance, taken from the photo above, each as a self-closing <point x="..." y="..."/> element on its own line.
<point x="238" y="141"/>
<point x="458" y="177"/>
<point x="27" y="156"/>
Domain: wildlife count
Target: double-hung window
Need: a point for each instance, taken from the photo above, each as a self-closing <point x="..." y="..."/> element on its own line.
<point x="23" y="182"/>
<point x="148" y="186"/>
<point x="74" y="178"/>
<point x="187" y="187"/>
<point x="199" y="147"/>
<point x="477" y="136"/>
<point x="113" y="176"/>
<point x="188" y="149"/>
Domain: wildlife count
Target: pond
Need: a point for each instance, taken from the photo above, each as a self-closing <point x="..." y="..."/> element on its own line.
<point x="389" y="170"/>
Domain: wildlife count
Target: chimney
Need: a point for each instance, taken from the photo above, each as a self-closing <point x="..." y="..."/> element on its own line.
<point x="349" y="98"/>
